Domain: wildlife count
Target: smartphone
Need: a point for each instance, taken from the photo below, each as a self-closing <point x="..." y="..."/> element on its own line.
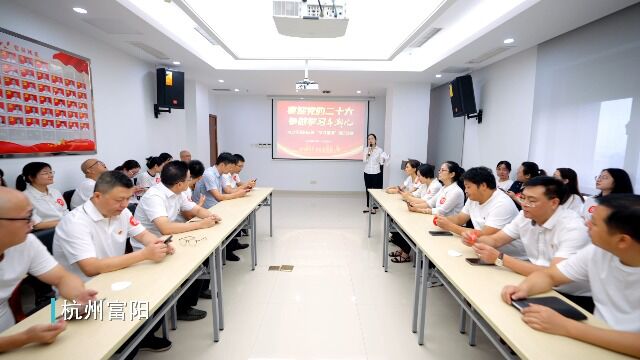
<point x="168" y="240"/>
<point x="440" y="233"/>
<point x="478" y="261"/>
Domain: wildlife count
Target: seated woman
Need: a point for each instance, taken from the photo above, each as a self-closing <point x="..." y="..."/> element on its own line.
<point x="503" y="178"/>
<point x="528" y="170"/>
<point x="48" y="204"/>
<point x="151" y="177"/>
<point x="411" y="183"/>
<point x="429" y="185"/>
<point x="450" y="199"/>
<point x="131" y="168"/>
<point x="610" y="181"/>
<point x="574" y="199"/>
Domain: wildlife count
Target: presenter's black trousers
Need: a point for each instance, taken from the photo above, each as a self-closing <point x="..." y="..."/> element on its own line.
<point x="372" y="181"/>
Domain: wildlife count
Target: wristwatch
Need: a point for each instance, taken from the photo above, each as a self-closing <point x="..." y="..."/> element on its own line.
<point x="499" y="261"/>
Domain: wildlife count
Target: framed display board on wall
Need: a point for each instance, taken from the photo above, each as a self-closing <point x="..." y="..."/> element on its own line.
<point x="46" y="99"/>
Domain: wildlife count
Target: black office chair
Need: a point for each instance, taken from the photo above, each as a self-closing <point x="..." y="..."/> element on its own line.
<point x="42" y="291"/>
<point x="67" y="195"/>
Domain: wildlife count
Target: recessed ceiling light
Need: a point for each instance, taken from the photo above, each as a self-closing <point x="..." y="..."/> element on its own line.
<point x="236" y="90"/>
<point x="220" y="81"/>
<point x="79" y="10"/>
<point x="508" y="41"/>
<point x="359" y="92"/>
<point x="176" y="63"/>
<point x="438" y="75"/>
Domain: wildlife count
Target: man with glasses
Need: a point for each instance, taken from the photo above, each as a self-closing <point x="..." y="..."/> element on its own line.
<point x="22" y="253"/>
<point x="92" y="169"/>
<point x="550" y="234"/>
<point x="158" y="211"/>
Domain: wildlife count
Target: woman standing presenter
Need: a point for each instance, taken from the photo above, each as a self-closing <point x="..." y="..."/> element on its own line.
<point x="374" y="158"/>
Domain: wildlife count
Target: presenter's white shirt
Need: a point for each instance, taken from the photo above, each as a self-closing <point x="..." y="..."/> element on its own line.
<point x="562" y="236"/>
<point x="47" y="206"/>
<point x="498" y="211"/>
<point x="574" y="203"/>
<point x="85" y="234"/>
<point x="159" y="201"/>
<point x="504" y="185"/>
<point x="615" y="287"/>
<point x="372" y="162"/>
<point x="28" y="257"/>
<point x="448" y="201"/>
<point x="83" y="192"/>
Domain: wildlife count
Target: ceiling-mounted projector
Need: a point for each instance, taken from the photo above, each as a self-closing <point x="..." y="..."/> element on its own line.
<point x="306" y="84"/>
<point x="311" y="19"/>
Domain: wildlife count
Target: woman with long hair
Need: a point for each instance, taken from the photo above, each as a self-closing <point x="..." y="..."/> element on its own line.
<point x="374" y="158"/>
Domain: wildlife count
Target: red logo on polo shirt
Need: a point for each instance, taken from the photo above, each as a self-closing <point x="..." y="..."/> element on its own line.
<point x="235" y="178"/>
<point x="157" y="180"/>
<point x="133" y="221"/>
<point x="592" y="209"/>
<point x="60" y="202"/>
<point x="443" y="200"/>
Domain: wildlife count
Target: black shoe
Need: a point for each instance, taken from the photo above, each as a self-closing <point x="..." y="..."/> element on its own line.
<point x="231" y="256"/>
<point x="155" y="344"/>
<point x="244" y="232"/>
<point x="192" y="314"/>
<point x="205" y="294"/>
<point x="241" y="246"/>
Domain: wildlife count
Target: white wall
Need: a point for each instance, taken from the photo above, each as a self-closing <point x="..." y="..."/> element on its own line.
<point x="445" y="131"/>
<point x="124" y="93"/>
<point x="406" y="127"/>
<point x="245" y="120"/>
<point x="504" y="92"/>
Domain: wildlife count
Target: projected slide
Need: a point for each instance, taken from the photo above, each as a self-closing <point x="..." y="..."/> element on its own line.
<point x="308" y="129"/>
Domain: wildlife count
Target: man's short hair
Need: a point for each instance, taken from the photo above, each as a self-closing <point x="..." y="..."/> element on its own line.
<point x="110" y="180"/>
<point x="480" y="175"/>
<point x="226" y="158"/>
<point x="174" y="172"/>
<point x="553" y="188"/>
<point x="239" y="158"/>
<point x="625" y="212"/>
<point x="196" y="168"/>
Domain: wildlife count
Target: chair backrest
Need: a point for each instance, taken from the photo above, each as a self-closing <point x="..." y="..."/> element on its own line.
<point x="46" y="237"/>
<point x="67" y="195"/>
<point x="132" y="207"/>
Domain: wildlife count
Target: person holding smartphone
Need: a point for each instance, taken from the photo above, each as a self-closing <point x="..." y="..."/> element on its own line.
<point x="411" y="183"/>
<point x="610" y="265"/>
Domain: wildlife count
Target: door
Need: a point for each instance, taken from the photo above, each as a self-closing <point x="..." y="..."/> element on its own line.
<point x="213" y="139"/>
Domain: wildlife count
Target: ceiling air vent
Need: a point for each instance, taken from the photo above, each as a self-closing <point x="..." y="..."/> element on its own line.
<point x="425" y="37"/>
<point x="489" y="54"/>
<point x="149" y="50"/>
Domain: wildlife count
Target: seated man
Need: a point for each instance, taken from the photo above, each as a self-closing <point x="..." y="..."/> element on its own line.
<point x="231" y="181"/>
<point x="158" y="211"/>
<point x="211" y="187"/>
<point x="549" y="233"/>
<point x="185" y="156"/>
<point x="488" y="209"/>
<point x="91" y="239"/>
<point x="22" y="253"/>
<point x="92" y="169"/>
<point x="611" y="265"/>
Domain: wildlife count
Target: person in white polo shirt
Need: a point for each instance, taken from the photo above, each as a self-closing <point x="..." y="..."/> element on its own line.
<point x="48" y="204"/>
<point x="158" y="211"/>
<point x="231" y="181"/>
<point x="429" y="186"/>
<point x="489" y="210"/>
<point x="549" y="233"/>
<point x="151" y="177"/>
<point x="92" y="169"/>
<point x="22" y="253"/>
<point x="91" y="240"/>
<point x="450" y="199"/>
<point x="611" y="265"/>
<point x="411" y="183"/>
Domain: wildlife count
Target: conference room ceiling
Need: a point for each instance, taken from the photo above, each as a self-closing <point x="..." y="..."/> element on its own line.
<point x="377" y="51"/>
